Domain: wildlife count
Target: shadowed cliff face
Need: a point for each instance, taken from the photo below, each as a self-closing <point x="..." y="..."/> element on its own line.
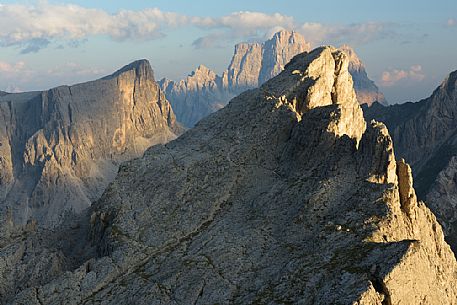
<point x="283" y="196"/>
<point x="425" y="134"/>
<point x="60" y="148"/>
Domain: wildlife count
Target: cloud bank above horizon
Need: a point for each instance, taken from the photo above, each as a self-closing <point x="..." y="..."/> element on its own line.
<point x="44" y="43"/>
<point x="31" y="28"/>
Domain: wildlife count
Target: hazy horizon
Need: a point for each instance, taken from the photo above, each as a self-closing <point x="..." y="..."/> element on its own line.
<point x="49" y="43"/>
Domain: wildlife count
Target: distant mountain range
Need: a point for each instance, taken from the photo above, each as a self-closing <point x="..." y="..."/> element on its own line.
<point x="252" y="64"/>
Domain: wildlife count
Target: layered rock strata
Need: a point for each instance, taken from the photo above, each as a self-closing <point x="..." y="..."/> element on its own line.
<point x="425" y="135"/>
<point x="60" y="148"/>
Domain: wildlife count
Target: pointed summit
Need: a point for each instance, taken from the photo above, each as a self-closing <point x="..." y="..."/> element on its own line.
<point x="450" y="83"/>
<point x="203" y="71"/>
<point x="354" y="61"/>
<point x="142" y="68"/>
<point x="289" y="37"/>
<point x="425" y="135"/>
<point x="252" y="65"/>
<point x="366" y="89"/>
<point x="267" y="201"/>
<point x="318" y="79"/>
<point x="278" y="51"/>
<point x="73" y="137"/>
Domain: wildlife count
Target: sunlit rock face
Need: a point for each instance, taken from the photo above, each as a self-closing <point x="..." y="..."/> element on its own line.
<point x="284" y="196"/>
<point x="425" y="135"/>
<point x="204" y="92"/>
<point x="60" y="148"/>
<point x="366" y="90"/>
<point x="252" y="64"/>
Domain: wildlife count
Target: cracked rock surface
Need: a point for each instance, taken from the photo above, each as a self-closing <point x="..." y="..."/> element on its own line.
<point x="425" y="135"/>
<point x="60" y="148"/>
<point x="275" y="199"/>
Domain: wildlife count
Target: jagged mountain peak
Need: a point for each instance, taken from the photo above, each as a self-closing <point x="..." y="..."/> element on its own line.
<point x="225" y="213"/>
<point x="253" y="64"/>
<point x="450" y="83"/>
<point x="285" y="36"/>
<point x="354" y="59"/>
<point x="246" y="45"/>
<point x="366" y="89"/>
<point x="66" y="142"/>
<point x="142" y="68"/>
<point x="318" y="79"/>
<point x="203" y="70"/>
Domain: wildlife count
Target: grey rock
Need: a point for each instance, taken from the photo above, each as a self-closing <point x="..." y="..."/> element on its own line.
<point x="425" y="135"/>
<point x="204" y="92"/>
<point x="252" y="64"/>
<point x="277" y="198"/>
<point x="366" y="90"/>
<point x="60" y="148"/>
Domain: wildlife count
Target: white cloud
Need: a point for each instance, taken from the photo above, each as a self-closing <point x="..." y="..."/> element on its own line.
<point x="212" y="40"/>
<point x="11" y="74"/>
<point x="451" y="22"/>
<point x="393" y="76"/>
<point x="75" y="69"/>
<point x="246" y="21"/>
<point x="240" y="25"/>
<point x="259" y="26"/>
<point x="18" y="75"/>
<point x="11" y="68"/>
<point x="33" y="27"/>
<point x="357" y="33"/>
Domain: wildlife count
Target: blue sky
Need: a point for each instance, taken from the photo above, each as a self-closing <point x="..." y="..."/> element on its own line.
<point x="407" y="46"/>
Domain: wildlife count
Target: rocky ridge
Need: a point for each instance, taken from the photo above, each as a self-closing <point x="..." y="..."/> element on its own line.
<point x="284" y="196"/>
<point x="252" y="64"/>
<point x="60" y="148"/>
<point x="203" y="92"/>
<point x="366" y="90"/>
<point x="425" y="135"/>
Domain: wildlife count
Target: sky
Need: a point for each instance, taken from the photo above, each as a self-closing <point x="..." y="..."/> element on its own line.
<point x="408" y="47"/>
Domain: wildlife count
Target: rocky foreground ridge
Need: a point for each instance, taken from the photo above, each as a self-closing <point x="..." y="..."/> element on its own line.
<point x="60" y="148"/>
<point x="425" y="134"/>
<point x="252" y="64"/>
<point x="366" y="90"/>
<point x="284" y="196"/>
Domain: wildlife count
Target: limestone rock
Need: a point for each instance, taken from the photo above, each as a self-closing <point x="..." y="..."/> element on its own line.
<point x="424" y="134"/>
<point x="60" y="148"/>
<point x="252" y="64"/>
<point x="442" y="198"/>
<point x="197" y="96"/>
<point x="271" y="200"/>
<point x="244" y="69"/>
<point x="366" y="90"/>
